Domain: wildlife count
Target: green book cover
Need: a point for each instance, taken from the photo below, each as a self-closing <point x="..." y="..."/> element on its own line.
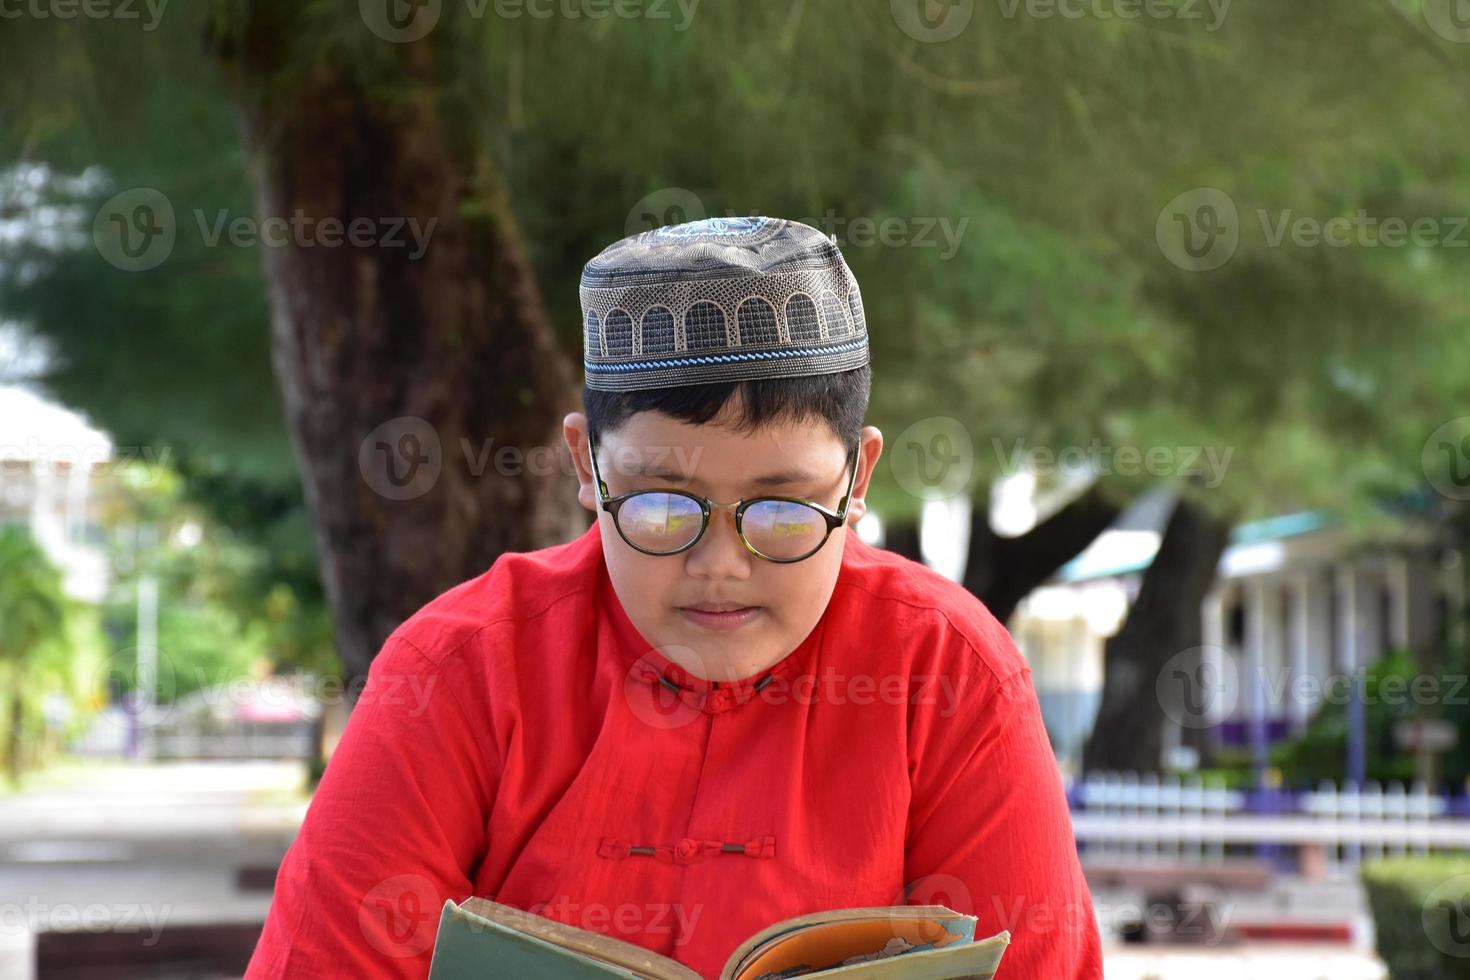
<point x="470" y="946"/>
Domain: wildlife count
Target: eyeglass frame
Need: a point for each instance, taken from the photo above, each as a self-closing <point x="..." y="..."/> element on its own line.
<point x="835" y="519"/>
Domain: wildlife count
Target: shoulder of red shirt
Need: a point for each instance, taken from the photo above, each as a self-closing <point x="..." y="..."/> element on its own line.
<point x="875" y="585"/>
<point x="885" y="581"/>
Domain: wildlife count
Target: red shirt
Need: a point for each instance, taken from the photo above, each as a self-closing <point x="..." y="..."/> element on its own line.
<point x="519" y="740"/>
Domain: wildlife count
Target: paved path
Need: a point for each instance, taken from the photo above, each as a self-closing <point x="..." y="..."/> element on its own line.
<point x="136" y="848"/>
<point x="1259" y="962"/>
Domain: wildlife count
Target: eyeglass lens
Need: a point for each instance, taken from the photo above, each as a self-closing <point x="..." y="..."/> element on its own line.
<point x="666" y="522"/>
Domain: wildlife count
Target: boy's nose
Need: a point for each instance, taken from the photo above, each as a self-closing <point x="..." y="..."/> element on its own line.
<point x="720" y="553"/>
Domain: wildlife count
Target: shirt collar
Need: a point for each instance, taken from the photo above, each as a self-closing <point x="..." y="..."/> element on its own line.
<point x="647" y="663"/>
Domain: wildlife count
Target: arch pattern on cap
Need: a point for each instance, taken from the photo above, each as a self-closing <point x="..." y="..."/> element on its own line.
<point x="592" y="334"/>
<point x="834" y="315"/>
<point x="756" y="324"/>
<point x="706" y="327"/>
<point x="617" y="333"/>
<point x="803" y="325"/>
<point x="703" y="319"/>
<point x="656" y="332"/>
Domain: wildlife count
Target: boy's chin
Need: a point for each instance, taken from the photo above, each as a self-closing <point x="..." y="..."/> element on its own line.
<point x="725" y="656"/>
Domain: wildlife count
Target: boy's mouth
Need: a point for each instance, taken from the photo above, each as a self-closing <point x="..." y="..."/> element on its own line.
<point x="719" y="615"/>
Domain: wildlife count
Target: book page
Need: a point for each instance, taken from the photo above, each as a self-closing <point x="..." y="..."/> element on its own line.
<point x="828" y="938"/>
<point x="960" y="961"/>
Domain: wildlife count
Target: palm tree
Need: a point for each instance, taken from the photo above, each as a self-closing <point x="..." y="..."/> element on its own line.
<point x="32" y="614"/>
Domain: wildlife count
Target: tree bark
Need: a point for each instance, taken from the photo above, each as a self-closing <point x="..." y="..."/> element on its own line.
<point x="902" y="537"/>
<point x="423" y="392"/>
<point x="1164" y="620"/>
<point x="15" y="738"/>
<point x="1003" y="571"/>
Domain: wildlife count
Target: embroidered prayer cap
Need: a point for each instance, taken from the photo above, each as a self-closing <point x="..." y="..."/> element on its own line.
<point x="723" y="299"/>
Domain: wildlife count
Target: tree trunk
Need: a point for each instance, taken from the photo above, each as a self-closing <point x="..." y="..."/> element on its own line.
<point x="423" y="392"/>
<point x="15" y="738"/>
<point x="1163" y="621"/>
<point x="902" y="537"/>
<point x="1003" y="571"/>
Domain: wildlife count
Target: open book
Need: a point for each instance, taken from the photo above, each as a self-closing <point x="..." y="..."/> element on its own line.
<point x="907" y="942"/>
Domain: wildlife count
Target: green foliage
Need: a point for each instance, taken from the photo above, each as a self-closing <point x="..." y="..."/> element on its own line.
<point x="1050" y="144"/>
<point x="175" y="364"/>
<point x="1388" y="691"/>
<point x="33" y="620"/>
<point x="61" y="686"/>
<point x="220" y="613"/>
<point x="1232" y="769"/>
<point x="1321" y="751"/>
<point x="1059" y="141"/>
<point x="32" y="605"/>
<point x="1420" y="909"/>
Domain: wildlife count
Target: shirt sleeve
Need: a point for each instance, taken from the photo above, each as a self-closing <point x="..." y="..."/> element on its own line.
<point x="395" y="827"/>
<point x="989" y="830"/>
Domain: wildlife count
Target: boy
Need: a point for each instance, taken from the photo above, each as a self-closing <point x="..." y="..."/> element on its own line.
<point x="716" y="708"/>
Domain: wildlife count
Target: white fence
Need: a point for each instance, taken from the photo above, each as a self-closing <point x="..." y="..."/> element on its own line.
<point x="1123" y="816"/>
<point x="114" y="734"/>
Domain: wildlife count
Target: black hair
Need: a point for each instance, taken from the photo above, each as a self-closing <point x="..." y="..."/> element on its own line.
<point x="841" y="399"/>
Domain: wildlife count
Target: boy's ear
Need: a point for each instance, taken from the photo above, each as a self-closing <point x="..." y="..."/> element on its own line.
<point x="869" y="449"/>
<point x="574" y="431"/>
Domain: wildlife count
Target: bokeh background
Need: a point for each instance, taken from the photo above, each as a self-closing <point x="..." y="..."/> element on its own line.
<point x="1171" y="341"/>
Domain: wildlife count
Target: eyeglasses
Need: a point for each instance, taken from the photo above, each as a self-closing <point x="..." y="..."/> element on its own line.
<point x="667" y="522"/>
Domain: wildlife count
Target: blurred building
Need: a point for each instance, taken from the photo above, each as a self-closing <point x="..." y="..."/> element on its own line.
<point x="50" y="459"/>
<point x="1297" y="597"/>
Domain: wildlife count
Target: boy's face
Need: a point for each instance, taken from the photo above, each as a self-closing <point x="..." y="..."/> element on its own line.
<point x="663" y="595"/>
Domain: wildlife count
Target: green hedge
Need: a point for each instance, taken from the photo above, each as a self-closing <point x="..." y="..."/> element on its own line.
<point x="1421" y="911"/>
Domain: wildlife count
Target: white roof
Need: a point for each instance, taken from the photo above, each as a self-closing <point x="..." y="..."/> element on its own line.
<point x="37" y="430"/>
